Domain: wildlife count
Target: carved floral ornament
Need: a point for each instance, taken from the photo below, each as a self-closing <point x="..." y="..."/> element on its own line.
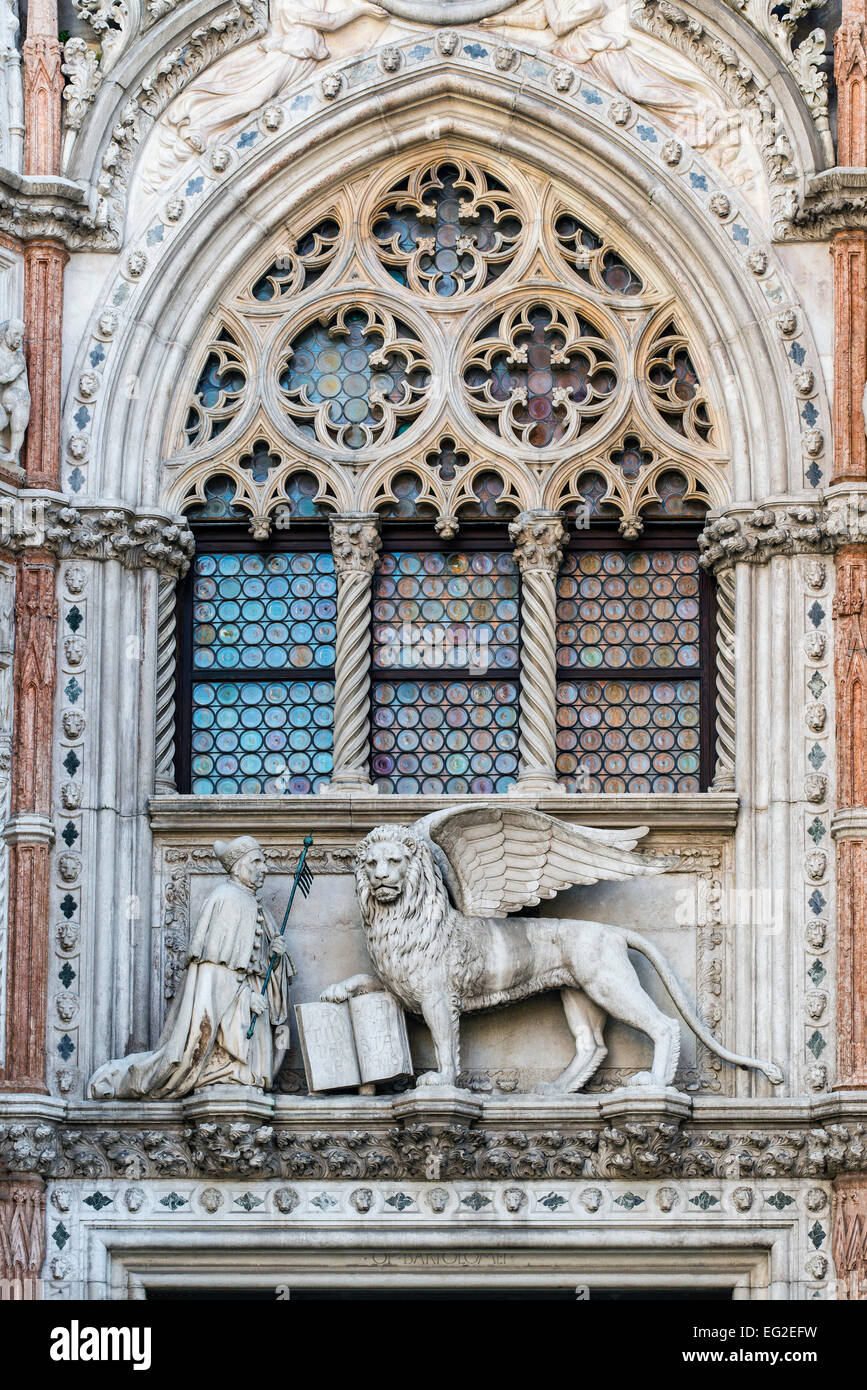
<point x="442" y="341"/>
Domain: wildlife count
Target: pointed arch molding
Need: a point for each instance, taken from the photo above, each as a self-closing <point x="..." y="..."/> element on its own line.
<point x="737" y="304"/>
<point x="165" y="47"/>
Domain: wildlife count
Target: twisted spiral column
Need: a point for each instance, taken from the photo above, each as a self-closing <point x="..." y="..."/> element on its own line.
<point x="724" y="772"/>
<point x="356" y="542"/>
<point x="164" y="780"/>
<point x="538" y="538"/>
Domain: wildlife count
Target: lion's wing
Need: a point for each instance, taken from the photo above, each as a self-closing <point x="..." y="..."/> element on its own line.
<point x="497" y="860"/>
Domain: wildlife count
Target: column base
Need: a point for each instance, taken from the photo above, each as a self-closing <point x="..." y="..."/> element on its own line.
<point x="537" y="784"/>
<point x="350" y="784"/>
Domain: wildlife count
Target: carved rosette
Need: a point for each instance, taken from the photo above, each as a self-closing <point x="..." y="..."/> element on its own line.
<point x="356" y="543"/>
<point x="538" y="538"/>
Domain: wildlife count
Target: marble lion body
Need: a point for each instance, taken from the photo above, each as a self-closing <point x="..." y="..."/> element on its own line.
<point x="435" y="901"/>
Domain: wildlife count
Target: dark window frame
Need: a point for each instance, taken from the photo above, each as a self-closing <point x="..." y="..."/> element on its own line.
<point x="662" y="535"/>
<point x="308" y="537"/>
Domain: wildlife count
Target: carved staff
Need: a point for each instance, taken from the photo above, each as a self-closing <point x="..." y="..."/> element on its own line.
<point x="303" y="880"/>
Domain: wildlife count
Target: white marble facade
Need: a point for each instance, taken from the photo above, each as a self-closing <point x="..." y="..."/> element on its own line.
<point x="201" y="180"/>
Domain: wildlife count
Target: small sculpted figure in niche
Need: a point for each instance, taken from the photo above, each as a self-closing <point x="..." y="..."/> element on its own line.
<point x="14" y="391"/>
<point x="204" y="1041"/>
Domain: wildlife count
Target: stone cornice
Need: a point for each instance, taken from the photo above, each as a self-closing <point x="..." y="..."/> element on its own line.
<point x="37" y="206"/>
<point x="454" y="1134"/>
<point x="137" y="537"/>
<point x="786" y="526"/>
<point x="336" y="818"/>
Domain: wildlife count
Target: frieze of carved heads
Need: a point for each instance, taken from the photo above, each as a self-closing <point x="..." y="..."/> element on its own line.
<point x="104" y="533"/>
<point x="431" y="1150"/>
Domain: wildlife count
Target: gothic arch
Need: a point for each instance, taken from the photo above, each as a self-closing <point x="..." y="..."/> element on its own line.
<point x="730" y="289"/>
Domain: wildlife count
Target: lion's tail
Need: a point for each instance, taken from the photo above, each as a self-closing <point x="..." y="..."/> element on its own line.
<point x="688" y="1014"/>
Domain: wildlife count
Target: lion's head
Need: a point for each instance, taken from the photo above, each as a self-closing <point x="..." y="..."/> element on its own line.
<point x="393" y="868"/>
<point x="405" y="908"/>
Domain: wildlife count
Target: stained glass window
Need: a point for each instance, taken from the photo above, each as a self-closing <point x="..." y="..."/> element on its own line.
<point x="262" y="654"/>
<point x="630" y="670"/>
<point x="445" y="664"/>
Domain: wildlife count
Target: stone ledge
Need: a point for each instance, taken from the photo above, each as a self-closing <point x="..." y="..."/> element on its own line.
<point x="628" y="1133"/>
<point x="849" y="823"/>
<point x="333" y="816"/>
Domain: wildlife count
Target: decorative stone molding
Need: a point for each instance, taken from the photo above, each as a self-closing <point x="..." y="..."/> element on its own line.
<point x="615" y="1138"/>
<point x="137" y="539"/>
<point x="355" y="543"/>
<point x="538" y="538"/>
<point x="748" y="90"/>
<point x="235" y="24"/>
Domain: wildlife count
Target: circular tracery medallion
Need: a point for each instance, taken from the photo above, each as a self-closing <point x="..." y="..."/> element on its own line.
<point x="445" y="11"/>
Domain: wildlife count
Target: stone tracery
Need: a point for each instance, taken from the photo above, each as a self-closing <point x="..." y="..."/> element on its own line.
<point x="539" y="357"/>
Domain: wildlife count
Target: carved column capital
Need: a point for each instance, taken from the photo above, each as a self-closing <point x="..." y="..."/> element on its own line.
<point x="355" y="542"/>
<point x="538" y="538"/>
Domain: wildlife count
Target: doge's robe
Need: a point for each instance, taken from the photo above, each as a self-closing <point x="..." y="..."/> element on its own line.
<point x="204" y="1040"/>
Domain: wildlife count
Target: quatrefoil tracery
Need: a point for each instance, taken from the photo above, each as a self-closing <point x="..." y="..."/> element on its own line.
<point x="539" y="373"/>
<point x="354" y="378"/>
<point x="447" y="229"/>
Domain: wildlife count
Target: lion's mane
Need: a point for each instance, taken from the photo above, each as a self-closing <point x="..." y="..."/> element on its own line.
<point x="420" y="928"/>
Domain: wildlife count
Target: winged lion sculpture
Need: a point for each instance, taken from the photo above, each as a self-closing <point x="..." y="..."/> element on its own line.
<point x="435" y="904"/>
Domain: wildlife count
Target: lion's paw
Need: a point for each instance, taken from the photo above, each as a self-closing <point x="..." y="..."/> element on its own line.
<point x="435" y="1078"/>
<point x="646" y="1078"/>
<point x="335" y="994"/>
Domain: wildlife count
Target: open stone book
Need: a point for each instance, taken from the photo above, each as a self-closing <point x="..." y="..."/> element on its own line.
<point x="353" y="1044"/>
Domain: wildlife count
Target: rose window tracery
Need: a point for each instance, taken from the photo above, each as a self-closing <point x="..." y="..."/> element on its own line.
<point x="447" y="229"/>
<point x="300" y="264"/>
<point x="675" y="386"/>
<point x="540" y="374"/>
<point x="595" y="261"/>
<point x="218" y="391"/>
<point x="354" y="380"/>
